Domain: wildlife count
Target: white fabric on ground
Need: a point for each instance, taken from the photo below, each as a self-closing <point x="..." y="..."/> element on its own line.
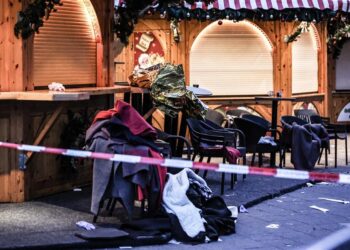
<point x="175" y="201"/>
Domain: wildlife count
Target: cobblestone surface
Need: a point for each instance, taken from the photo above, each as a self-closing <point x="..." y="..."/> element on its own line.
<point x="299" y="225"/>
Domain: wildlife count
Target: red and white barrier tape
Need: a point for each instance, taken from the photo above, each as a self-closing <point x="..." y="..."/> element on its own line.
<point x="226" y="168"/>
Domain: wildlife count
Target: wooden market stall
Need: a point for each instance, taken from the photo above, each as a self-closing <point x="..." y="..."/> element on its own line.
<point x="238" y="61"/>
<point x="75" y="48"/>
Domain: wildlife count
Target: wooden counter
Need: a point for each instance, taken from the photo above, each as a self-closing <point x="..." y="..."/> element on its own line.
<point x="76" y="94"/>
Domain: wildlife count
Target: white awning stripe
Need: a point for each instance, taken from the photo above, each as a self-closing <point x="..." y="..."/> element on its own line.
<point x="335" y="5"/>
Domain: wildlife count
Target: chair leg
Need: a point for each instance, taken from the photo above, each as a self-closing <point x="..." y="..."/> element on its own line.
<point x="244" y="163"/>
<point x="346" y="149"/>
<point x="319" y="159"/>
<point x="222" y="183"/>
<point x="281" y="159"/>
<point x="109" y="203"/>
<point x="206" y="171"/>
<point x="233" y="180"/>
<point x="194" y="156"/>
<point x="335" y="152"/>
<point x="112" y="207"/>
<point x="326" y="158"/>
<point x="94" y="219"/>
<point x="260" y="159"/>
<point x="253" y="159"/>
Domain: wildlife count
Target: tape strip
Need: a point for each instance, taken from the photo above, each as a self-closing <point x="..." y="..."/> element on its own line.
<point x="225" y="168"/>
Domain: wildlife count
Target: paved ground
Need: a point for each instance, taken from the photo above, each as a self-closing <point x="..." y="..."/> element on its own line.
<point x="50" y="222"/>
<point x="298" y="224"/>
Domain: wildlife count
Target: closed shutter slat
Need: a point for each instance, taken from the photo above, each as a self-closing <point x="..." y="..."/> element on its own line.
<point x="232" y="59"/>
<point x="342" y="68"/>
<point x="305" y="64"/>
<point x="65" y="48"/>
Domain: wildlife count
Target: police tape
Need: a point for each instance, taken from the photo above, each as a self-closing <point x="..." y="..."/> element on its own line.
<point x="175" y="163"/>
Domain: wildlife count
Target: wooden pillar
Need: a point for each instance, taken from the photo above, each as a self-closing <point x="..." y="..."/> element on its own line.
<point x="14" y="76"/>
<point x="284" y="66"/>
<point x="11" y="49"/>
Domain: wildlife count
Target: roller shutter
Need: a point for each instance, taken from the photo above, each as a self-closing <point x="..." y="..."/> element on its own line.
<point x="65" y="48"/>
<point x="305" y="63"/>
<point x="232" y="59"/>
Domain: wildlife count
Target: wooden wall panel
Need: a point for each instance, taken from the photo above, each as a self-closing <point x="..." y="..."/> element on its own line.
<point x="5" y="168"/>
<point x="11" y="53"/>
<point x="45" y="172"/>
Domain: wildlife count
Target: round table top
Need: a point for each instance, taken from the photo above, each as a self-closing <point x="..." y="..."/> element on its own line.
<point x="199" y="91"/>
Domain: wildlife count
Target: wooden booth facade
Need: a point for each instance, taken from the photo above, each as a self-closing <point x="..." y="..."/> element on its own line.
<point x="237" y="61"/>
<point x="75" y="48"/>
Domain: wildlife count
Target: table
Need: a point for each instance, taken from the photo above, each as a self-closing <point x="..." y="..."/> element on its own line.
<point x="275" y="101"/>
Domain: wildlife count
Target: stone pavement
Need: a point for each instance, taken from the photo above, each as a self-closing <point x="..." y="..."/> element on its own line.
<point x="294" y="224"/>
<point x="50" y="222"/>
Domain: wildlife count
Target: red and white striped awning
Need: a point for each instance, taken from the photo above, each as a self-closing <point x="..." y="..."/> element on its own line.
<point x="335" y="5"/>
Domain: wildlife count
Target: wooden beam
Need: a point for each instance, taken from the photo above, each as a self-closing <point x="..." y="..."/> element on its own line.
<point x="55" y="115"/>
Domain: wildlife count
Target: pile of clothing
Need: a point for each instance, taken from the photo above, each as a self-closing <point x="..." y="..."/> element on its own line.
<point x="305" y="142"/>
<point x="122" y="130"/>
<point x="180" y="206"/>
<point x="195" y="214"/>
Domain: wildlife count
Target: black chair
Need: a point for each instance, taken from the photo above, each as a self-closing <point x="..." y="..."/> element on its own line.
<point x="265" y="123"/>
<point x="253" y="132"/>
<point x="210" y="142"/>
<point x="335" y="132"/>
<point x="305" y="114"/>
<point x="288" y="119"/>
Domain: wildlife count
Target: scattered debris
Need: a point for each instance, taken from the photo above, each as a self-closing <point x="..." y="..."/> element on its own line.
<point x="77" y="189"/>
<point x="325" y="210"/>
<point x="309" y="184"/>
<point x="175" y="242"/>
<point x="242" y="209"/>
<point x="85" y="225"/>
<point x="335" y="200"/>
<point x="234" y="211"/>
<point x="273" y="226"/>
<point x="228" y="195"/>
<point x="323" y="183"/>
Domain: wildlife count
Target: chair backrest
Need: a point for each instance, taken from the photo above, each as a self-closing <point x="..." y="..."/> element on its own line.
<point x="288" y="119"/>
<point x="253" y="132"/>
<point x="265" y="123"/>
<point x="210" y="125"/>
<point x="304" y="114"/>
<point x="193" y="126"/>
<point x="215" y="116"/>
<point x="316" y="119"/>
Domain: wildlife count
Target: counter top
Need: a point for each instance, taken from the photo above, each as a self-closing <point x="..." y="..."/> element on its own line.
<point x="76" y="94"/>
